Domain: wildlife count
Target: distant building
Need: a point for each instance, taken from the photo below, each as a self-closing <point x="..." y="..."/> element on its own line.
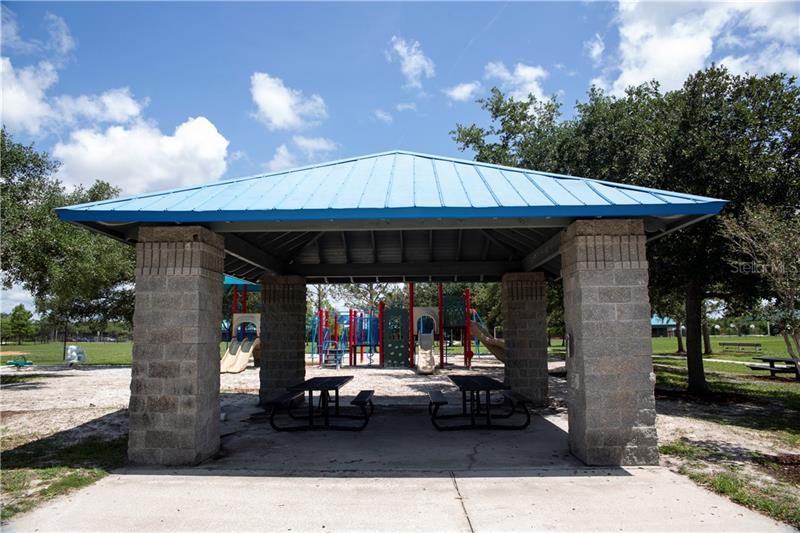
<point x="662" y="326"/>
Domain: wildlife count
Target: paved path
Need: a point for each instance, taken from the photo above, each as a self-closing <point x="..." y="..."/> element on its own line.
<point x="636" y="499"/>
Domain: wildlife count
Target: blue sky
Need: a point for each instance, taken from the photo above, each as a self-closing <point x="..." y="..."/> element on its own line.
<point x="155" y="95"/>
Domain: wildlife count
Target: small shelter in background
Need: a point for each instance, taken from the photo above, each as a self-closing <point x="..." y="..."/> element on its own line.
<point x="662" y="326"/>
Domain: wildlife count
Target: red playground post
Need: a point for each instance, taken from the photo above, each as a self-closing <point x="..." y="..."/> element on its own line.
<point x="411" y="324"/>
<point x="381" y="307"/>
<point x="244" y="299"/>
<point x="441" y="326"/>
<point x="359" y="334"/>
<point x="320" y="334"/>
<point x="468" y="330"/>
<point x="351" y="337"/>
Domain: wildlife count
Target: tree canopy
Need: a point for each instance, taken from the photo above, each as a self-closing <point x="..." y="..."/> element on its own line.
<point x="720" y="135"/>
<point x="71" y="272"/>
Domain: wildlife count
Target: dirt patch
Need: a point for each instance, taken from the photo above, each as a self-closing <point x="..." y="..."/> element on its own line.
<point x="785" y="467"/>
<point x="12" y="353"/>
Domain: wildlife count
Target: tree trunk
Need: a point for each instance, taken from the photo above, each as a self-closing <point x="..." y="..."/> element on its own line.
<point x="679" y="335"/>
<point x="64" y="353"/>
<point x="789" y="347"/>
<point x="694" y="355"/>
<point x="707" y="348"/>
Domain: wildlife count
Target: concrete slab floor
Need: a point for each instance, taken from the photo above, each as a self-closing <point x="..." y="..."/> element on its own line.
<point x="641" y="499"/>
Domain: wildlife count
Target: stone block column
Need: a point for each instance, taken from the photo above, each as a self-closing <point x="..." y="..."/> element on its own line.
<point x="609" y="366"/>
<point x="174" y="405"/>
<point x="283" y="332"/>
<point x="525" y="334"/>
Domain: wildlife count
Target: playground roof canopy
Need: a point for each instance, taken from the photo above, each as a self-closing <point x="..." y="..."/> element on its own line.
<point x="393" y="216"/>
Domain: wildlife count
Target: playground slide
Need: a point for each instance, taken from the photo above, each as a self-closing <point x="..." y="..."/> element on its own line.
<point x="237" y="357"/>
<point x="230" y="355"/>
<point x="496" y="346"/>
<point x="426" y="361"/>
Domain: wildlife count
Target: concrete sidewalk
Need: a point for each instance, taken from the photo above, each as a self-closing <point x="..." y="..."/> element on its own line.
<point x="632" y="499"/>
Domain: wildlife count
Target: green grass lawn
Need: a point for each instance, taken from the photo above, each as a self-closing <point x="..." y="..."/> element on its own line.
<point x="115" y="353"/>
<point x="97" y="353"/>
<point x="770" y="346"/>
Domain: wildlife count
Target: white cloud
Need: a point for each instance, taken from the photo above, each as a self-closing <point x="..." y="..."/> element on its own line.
<point x="384" y="116"/>
<point x="59" y="42"/>
<point x="237" y="155"/>
<point x="115" y="105"/>
<point x="463" y="91"/>
<point x="312" y="146"/>
<point x="594" y="47"/>
<point x="10" y="298"/>
<point x="406" y="106"/>
<point x="522" y="81"/>
<point x="414" y="64"/>
<point x="282" y="159"/>
<point x="25" y="105"/>
<point x="283" y="108"/>
<point x="140" y="158"/>
<point x="667" y="41"/>
<point x="9" y="32"/>
<point x="772" y="58"/>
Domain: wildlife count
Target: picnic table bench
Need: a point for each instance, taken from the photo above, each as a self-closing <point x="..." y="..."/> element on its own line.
<point x="788" y="366"/>
<point x="286" y="402"/>
<point x="473" y="407"/>
<point x="753" y="347"/>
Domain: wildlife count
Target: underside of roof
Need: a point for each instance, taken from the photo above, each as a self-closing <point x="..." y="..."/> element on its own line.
<point x="396" y="216"/>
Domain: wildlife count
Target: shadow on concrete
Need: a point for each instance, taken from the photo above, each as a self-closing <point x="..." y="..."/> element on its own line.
<point x="399" y="441"/>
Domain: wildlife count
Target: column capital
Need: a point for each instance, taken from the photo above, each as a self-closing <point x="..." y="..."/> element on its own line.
<point x="603" y="244"/>
<point x="180" y="234"/>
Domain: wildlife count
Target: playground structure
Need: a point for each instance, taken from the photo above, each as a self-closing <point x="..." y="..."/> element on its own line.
<point x="245" y="343"/>
<point x="402" y="336"/>
<point x="244" y="328"/>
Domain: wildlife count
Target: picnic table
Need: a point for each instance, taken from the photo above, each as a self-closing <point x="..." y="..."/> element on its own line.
<point x="325" y="386"/>
<point x="754" y="347"/>
<point x="474" y="407"/>
<point x="788" y="366"/>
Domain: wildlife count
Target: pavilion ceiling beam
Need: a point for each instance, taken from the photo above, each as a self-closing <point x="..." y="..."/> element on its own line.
<point x="248" y="253"/>
<point x="496" y="240"/>
<point x="543" y="254"/>
<point x="433" y="269"/>
<point x="374" y="247"/>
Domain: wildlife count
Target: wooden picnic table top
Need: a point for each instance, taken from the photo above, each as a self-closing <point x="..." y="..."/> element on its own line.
<point x="322" y="383"/>
<point x="776" y="359"/>
<point x="739" y="343"/>
<point x="476" y="383"/>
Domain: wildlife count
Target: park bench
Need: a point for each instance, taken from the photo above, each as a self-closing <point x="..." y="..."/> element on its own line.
<point x="788" y="366"/>
<point x="19" y="363"/>
<point x="477" y="409"/>
<point x="741" y="347"/>
<point x="282" y="402"/>
<point x="437" y="400"/>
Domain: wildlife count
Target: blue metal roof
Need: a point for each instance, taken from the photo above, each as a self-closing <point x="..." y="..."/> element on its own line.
<point x="394" y="185"/>
<point x="656" y="320"/>
<point x="230" y="280"/>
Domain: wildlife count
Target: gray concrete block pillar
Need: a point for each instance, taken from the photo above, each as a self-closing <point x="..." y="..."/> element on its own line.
<point x="525" y="333"/>
<point x="174" y="405"/>
<point x="609" y="367"/>
<point x="283" y="332"/>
